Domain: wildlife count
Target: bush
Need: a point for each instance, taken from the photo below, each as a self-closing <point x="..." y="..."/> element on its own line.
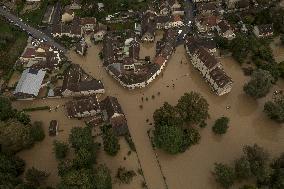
<point x="221" y="125"/>
<point x="130" y="142"/>
<point x="37" y="131"/>
<point x="36" y="108"/>
<point x="60" y="149"/>
<point x="124" y="175"/>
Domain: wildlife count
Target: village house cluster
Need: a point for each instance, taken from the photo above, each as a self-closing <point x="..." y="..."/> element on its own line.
<point x="122" y="61"/>
<point x="37" y="60"/>
<point x="95" y="112"/>
<point x="169" y="15"/>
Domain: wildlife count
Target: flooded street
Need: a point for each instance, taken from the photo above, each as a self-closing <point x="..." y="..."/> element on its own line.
<point x="192" y="169"/>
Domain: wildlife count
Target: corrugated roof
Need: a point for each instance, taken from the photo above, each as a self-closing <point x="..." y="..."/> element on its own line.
<point x="30" y="82"/>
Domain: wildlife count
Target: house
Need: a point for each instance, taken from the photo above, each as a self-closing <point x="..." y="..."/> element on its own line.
<point x="206" y="24"/>
<point x="208" y="66"/>
<point x="68" y="15"/>
<point x="29" y="84"/>
<point x="148" y="26"/>
<point x="70" y="30"/>
<point x="81" y="48"/>
<point x="263" y="30"/>
<point x="99" y="35"/>
<point x="75" y="5"/>
<point x="202" y="1"/>
<point x="220" y="82"/>
<point x="84" y="107"/>
<point x="206" y="8"/>
<point x="53" y="128"/>
<point x="88" y="23"/>
<point x="101" y="7"/>
<point x="33" y="1"/>
<point x="77" y="83"/>
<point x="242" y="5"/>
<point x="224" y="30"/>
<point x="113" y="113"/>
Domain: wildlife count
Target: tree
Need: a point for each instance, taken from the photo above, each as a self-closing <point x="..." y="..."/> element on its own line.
<point x="6" y="111"/>
<point x="10" y="168"/>
<point x="81" y="138"/>
<point x="23" y="118"/>
<point x="193" y="108"/>
<point x="281" y="69"/>
<point x="259" y="85"/>
<point x="275" y="109"/>
<point x="60" y="149"/>
<point x="167" y="115"/>
<point x="64" y="166"/>
<point x="258" y="159"/>
<point x="14" y="136"/>
<point x="84" y="158"/>
<point x="221" y="125"/>
<point x="169" y="138"/>
<point x="125" y="176"/>
<point x="191" y="136"/>
<point x="110" y="140"/>
<point x="242" y="168"/>
<point x="240" y="48"/>
<point x="102" y="177"/>
<point x="37" y="131"/>
<point x="277" y="177"/>
<point x="271" y="66"/>
<point x="224" y="175"/>
<point x="35" y="177"/>
<point x="81" y="178"/>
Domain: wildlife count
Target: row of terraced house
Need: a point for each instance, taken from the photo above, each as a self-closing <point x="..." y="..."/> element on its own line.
<point x="209" y="67"/>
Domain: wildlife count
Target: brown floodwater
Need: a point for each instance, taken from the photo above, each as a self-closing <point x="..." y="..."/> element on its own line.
<point x="192" y="169"/>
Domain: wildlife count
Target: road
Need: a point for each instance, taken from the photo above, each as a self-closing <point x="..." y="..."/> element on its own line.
<point x="30" y="30"/>
<point x="188" y="20"/>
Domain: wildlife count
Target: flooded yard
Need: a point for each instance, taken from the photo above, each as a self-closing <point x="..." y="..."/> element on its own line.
<point x="192" y="169"/>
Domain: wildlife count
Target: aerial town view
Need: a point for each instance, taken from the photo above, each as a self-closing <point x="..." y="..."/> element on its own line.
<point x="141" y="94"/>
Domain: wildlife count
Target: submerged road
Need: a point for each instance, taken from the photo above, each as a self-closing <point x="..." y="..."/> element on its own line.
<point x="30" y="30"/>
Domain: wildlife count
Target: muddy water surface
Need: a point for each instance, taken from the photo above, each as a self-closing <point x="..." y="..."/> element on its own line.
<point x="248" y="124"/>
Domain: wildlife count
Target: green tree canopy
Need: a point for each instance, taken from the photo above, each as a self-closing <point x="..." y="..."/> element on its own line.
<point x="6" y="111"/>
<point x="193" y="108"/>
<point x="169" y="138"/>
<point x="259" y="85"/>
<point x="275" y="109"/>
<point x="221" y="125"/>
<point x="102" y="177"/>
<point x="224" y="175"/>
<point x="110" y="140"/>
<point x="242" y="168"/>
<point x="167" y="115"/>
<point x="258" y="159"/>
<point x="35" y="177"/>
<point x="60" y="149"/>
<point x="81" y="138"/>
<point x="75" y="179"/>
<point x="14" y="136"/>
